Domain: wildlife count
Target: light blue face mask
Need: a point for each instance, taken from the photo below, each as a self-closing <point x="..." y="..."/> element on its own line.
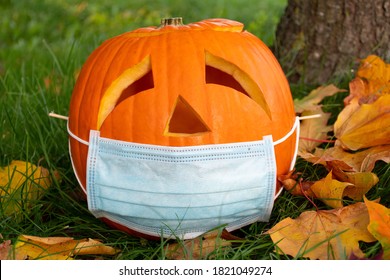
<point x="181" y="192"/>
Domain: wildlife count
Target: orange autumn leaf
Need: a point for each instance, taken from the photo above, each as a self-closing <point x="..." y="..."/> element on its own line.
<point x="364" y="126"/>
<point x="324" y="234"/>
<point x="364" y="122"/>
<point x="57" y="248"/>
<point x="291" y="184"/>
<point x="372" y="81"/>
<point x="379" y="225"/>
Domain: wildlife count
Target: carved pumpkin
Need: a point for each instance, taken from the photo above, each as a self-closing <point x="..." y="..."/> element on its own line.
<point x="182" y="85"/>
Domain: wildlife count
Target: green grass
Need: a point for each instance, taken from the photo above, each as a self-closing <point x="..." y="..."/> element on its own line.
<point x="50" y="40"/>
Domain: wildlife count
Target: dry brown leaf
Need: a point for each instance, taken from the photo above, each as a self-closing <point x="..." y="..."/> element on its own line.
<point x="333" y="188"/>
<point x="324" y="234"/>
<point x="30" y="247"/>
<point x="291" y="184"/>
<point x="312" y="100"/>
<point x="364" y="126"/>
<point x="362" y="161"/>
<point x="313" y="132"/>
<point x="200" y="247"/>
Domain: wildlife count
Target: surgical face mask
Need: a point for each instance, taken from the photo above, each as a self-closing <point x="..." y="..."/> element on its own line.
<point x="181" y="192"/>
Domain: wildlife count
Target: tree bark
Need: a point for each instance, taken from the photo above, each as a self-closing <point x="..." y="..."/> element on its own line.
<point x="317" y="40"/>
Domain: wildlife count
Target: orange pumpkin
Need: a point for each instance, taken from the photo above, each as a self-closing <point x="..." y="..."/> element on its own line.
<point x="208" y="82"/>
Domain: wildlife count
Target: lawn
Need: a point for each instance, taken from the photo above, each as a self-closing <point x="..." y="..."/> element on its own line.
<point x="43" y="45"/>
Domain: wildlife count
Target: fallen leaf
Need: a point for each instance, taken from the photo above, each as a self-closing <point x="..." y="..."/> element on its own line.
<point x="362" y="161"/>
<point x="378" y="256"/>
<point x="372" y="81"/>
<point x="360" y="182"/>
<point x="379" y="225"/>
<point x="21" y="184"/>
<point x="364" y="126"/>
<point x="324" y="234"/>
<point x="330" y="191"/>
<point x="301" y="188"/>
<point x="374" y="68"/>
<point x="5" y="248"/>
<point x="200" y="247"/>
<point x="57" y="248"/>
<point x="333" y="188"/>
<point x="313" y="132"/>
<point x="312" y="100"/>
<point x="291" y="184"/>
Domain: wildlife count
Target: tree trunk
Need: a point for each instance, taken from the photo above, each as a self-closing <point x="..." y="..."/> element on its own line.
<point x="317" y="40"/>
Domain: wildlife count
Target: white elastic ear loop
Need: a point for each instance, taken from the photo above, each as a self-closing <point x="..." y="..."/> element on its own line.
<point x="74" y="169"/>
<point x="285" y="137"/>
<point x="75" y="137"/>
<point x="296" y="127"/>
<point x="71" y="134"/>
<point x="297" y="131"/>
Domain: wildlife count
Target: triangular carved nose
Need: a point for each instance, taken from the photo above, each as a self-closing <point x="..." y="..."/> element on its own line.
<point x="185" y="120"/>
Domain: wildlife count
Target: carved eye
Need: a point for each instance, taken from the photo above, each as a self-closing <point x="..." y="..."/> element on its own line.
<point x="132" y="81"/>
<point x="222" y="72"/>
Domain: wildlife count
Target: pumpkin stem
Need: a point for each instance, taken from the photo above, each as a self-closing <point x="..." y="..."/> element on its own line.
<point x="176" y="21"/>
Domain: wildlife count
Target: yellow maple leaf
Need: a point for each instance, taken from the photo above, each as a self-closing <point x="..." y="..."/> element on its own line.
<point x="372" y="81"/>
<point x="360" y="182"/>
<point x="30" y="247"/>
<point x="365" y="120"/>
<point x="379" y="225"/>
<point x="364" y="126"/>
<point x="330" y="191"/>
<point x="21" y="184"/>
<point x="334" y="187"/>
<point x="324" y="234"/>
